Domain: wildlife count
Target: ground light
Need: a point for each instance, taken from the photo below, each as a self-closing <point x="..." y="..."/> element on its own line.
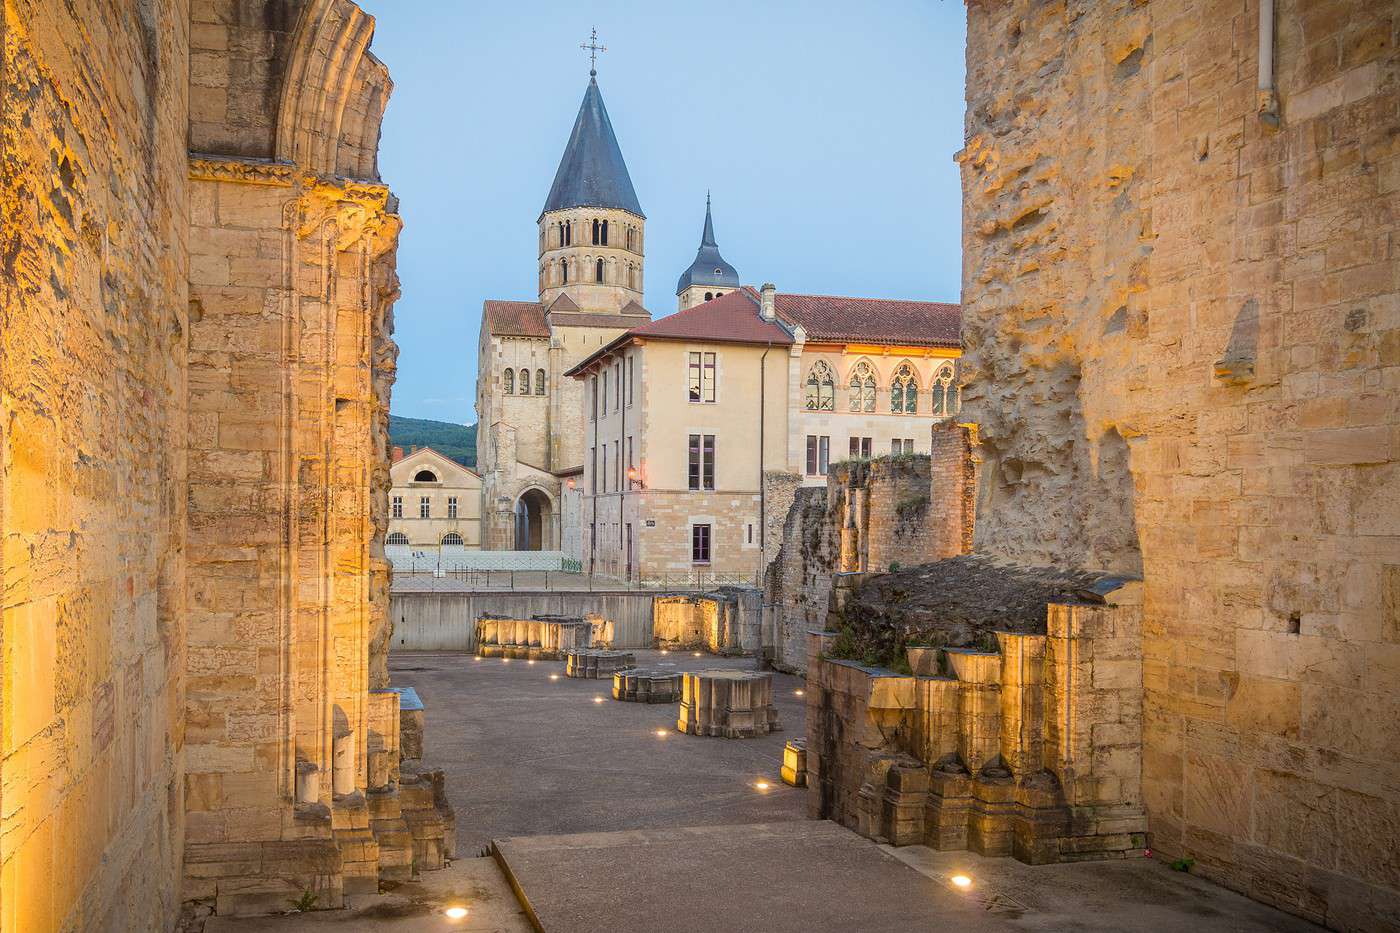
<point x="553" y="676"/>
<point x="761" y="785"/>
<point x="531" y="661"/>
<point x="597" y="699"/>
<point x="661" y="733"/>
<point x="456" y="913"/>
<point x="962" y="881"/>
<point x="797" y="693"/>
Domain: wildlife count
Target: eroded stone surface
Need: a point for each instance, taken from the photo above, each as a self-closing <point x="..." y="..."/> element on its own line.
<point x="732" y="704"/>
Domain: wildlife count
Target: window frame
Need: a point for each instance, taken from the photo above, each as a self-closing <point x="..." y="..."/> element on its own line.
<point x="818" y="454"/>
<point x="700" y="462"/>
<point x="702" y="540"/>
<point x="451" y="506"/>
<point x="425" y="507"/>
<point x="702" y="376"/>
<point x="396" y="507"/>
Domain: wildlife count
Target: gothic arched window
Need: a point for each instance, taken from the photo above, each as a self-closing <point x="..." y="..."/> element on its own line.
<point x="600" y="270"/>
<point x="904" y="390"/>
<point x="862" y="387"/>
<point x="821" y="388"/>
<point x="945" y="393"/>
<point x="539" y="382"/>
<point x="524" y="382"/>
<point x="510" y="381"/>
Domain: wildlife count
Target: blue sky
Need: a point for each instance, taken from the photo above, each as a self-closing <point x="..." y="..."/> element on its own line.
<point x="825" y="130"/>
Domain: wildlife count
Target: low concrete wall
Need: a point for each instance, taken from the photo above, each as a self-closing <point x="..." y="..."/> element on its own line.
<point x="447" y="621"/>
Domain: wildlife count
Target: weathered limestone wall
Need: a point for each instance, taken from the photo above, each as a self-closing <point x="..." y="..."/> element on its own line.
<point x="724" y="622"/>
<point x="904" y="510"/>
<point x="92" y="463"/>
<point x="1182" y="354"/>
<point x="1032" y="749"/>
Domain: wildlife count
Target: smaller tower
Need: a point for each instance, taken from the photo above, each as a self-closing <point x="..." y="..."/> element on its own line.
<point x="709" y="276"/>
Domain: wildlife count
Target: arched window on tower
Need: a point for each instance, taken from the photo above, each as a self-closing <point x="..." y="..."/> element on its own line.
<point x="595" y="232"/>
<point x="564" y="265"/>
<point x="862" y="387"/>
<point x="821" y="388"/>
<point x="510" y="381"/>
<point x="539" y="382"/>
<point x="605" y="233"/>
<point x="600" y="270"/>
<point x="904" y="390"/>
<point x="568" y="233"/>
<point x="945" y="392"/>
<point x="709" y="296"/>
<point x="524" y="382"/>
<point x="561" y="233"/>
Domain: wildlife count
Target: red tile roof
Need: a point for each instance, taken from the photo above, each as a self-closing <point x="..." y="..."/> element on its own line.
<point x="731" y="318"/>
<point x="873" y="320"/>
<point x="515" y="318"/>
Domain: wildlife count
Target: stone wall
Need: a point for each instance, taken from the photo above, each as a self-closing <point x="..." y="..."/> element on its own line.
<point x="723" y="622"/>
<point x="893" y="510"/>
<point x="1181" y="328"/>
<point x="92" y="462"/>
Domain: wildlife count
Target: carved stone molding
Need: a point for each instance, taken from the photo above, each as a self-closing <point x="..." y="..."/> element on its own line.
<point x="244" y="171"/>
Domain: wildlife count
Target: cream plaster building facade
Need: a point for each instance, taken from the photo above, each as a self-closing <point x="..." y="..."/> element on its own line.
<point x="434" y="503"/>
<point x="699" y="425"/>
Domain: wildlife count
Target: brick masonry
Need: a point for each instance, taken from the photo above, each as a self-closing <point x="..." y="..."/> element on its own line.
<point x="1181" y="329"/>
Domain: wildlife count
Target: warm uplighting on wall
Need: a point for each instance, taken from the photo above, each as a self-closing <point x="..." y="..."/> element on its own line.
<point x="634" y="476"/>
<point x="571" y="484"/>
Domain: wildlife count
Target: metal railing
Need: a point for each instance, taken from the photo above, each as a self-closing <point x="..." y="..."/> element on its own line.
<point x="563" y="580"/>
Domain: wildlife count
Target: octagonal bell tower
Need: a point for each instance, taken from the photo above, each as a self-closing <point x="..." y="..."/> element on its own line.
<point x="592" y="229"/>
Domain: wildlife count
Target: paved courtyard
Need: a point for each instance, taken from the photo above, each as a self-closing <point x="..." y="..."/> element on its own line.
<point x="527" y="755"/>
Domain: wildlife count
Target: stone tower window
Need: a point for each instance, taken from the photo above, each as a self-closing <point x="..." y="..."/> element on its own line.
<point x="564" y="265"/>
<point x="510" y="381"/>
<point x="862" y="388"/>
<point x="600" y="270"/>
<point x="904" y="390"/>
<point x="539" y="382"/>
<point x="821" y="388"/>
<point x="524" y="382"/>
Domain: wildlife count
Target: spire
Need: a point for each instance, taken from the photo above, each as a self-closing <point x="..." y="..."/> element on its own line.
<point x="709" y="267"/>
<point x="592" y="172"/>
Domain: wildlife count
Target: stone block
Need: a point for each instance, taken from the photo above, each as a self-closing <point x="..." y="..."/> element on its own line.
<point x="733" y="704"/>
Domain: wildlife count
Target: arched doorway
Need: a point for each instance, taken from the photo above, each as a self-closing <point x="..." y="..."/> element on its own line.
<point x="533" y="516"/>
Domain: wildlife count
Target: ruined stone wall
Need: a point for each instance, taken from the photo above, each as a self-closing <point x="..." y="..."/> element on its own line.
<point x="1181" y="328"/>
<point x="903" y="510"/>
<point x="92" y="463"/>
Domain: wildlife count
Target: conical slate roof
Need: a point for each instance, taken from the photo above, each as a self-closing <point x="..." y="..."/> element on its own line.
<point x="592" y="172"/>
<point x="709" y="267"/>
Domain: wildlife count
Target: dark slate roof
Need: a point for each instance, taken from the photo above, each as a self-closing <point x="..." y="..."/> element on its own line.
<point x="515" y="318"/>
<point x="592" y="172"/>
<point x="873" y="320"/>
<point x="709" y="267"/>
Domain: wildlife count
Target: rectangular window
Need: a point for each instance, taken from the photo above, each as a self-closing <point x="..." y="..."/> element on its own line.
<point x="398" y="507"/>
<point x="618" y="404"/>
<point x="750" y="532"/>
<point x="592" y="398"/>
<point x="451" y="506"/>
<point x="617" y="466"/>
<point x="605" y="468"/>
<point x="701" y="377"/>
<point x="700" y="544"/>
<point x="860" y="448"/>
<point x="631" y="378"/>
<point x="818" y="454"/>
<point x="593" y="473"/>
<point x="423" y="508"/>
<point x="702" y="461"/>
<point x="604" y="408"/>
<point x="902" y="445"/>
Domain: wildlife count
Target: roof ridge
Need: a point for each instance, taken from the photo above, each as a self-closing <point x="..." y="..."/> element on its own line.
<point x="918" y="301"/>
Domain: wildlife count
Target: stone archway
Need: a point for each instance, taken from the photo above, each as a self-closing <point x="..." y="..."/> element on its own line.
<point x="534" y="519"/>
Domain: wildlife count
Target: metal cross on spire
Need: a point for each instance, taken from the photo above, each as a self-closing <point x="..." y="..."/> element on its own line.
<point x="593" y="48"/>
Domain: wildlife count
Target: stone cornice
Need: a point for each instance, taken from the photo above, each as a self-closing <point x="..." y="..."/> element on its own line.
<point x="244" y="171"/>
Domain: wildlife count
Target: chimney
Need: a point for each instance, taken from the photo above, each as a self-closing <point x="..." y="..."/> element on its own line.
<point x="766" y="295"/>
<point x="396" y="455"/>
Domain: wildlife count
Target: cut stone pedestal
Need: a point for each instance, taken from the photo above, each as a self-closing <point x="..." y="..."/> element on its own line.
<point x="596" y="663"/>
<point x="638" y="685"/>
<point x="794" y="770"/>
<point x="734" y="704"/>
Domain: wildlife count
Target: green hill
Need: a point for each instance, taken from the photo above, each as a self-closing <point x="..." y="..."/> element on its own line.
<point x="455" y="441"/>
